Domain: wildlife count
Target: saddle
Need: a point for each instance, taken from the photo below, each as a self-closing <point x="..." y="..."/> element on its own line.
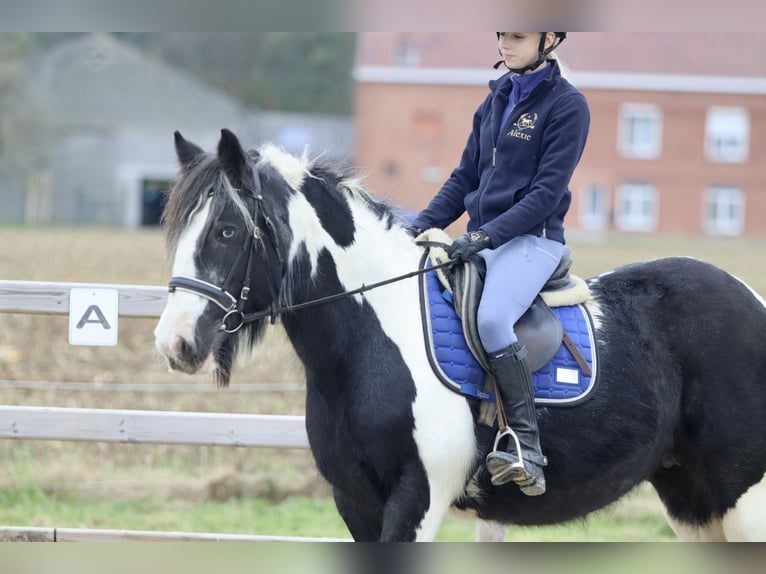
<point x="539" y="329"/>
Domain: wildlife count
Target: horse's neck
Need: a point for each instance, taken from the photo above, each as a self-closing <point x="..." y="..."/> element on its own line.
<point x="328" y="335"/>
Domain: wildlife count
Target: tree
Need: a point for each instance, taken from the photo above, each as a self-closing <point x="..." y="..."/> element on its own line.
<point x="295" y="71"/>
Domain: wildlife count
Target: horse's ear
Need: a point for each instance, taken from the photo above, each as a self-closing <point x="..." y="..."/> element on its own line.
<point x="233" y="159"/>
<point x="186" y="151"/>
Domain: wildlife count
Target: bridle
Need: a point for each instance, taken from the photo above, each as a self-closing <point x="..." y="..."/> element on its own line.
<point x="234" y="317"/>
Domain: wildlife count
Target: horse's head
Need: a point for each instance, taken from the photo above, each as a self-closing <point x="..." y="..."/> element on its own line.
<point x="227" y="241"/>
<point x="249" y="232"/>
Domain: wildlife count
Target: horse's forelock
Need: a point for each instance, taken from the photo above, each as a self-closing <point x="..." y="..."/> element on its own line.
<point x="185" y="196"/>
<point x="188" y="192"/>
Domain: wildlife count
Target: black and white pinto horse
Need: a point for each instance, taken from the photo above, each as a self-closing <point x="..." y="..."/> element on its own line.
<point x="681" y="400"/>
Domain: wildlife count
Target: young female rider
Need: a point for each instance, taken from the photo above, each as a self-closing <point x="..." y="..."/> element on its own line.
<point x="528" y="136"/>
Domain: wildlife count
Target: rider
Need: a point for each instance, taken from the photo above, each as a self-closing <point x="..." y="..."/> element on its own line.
<point x="528" y="136"/>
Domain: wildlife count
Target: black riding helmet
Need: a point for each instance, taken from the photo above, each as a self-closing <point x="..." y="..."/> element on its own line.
<point x="542" y="53"/>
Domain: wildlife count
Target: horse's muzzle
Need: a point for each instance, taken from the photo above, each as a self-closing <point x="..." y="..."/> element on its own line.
<point x="184" y="357"/>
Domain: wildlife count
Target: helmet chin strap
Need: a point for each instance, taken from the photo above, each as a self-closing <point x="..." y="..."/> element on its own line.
<point x="542" y="54"/>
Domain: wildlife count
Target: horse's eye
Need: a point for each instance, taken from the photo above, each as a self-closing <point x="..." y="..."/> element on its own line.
<point x="228" y="232"/>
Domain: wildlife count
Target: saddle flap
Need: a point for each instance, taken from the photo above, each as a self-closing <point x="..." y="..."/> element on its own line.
<point x="541" y="332"/>
<point x="538" y="328"/>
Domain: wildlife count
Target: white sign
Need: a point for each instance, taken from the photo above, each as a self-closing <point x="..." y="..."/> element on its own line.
<point x="93" y="316"/>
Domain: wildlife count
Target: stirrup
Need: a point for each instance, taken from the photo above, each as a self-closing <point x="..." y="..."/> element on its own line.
<point x="509" y="432"/>
<point x="516" y="471"/>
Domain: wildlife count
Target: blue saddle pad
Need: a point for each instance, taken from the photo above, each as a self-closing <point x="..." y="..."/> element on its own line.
<point x="560" y="382"/>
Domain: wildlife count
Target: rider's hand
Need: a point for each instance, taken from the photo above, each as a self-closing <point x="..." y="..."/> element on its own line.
<point x="414" y="231"/>
<point x="469" y="244"/>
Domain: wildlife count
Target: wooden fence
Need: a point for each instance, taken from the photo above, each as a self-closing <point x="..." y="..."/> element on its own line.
<point x="44" y="298"/>
<point x="134" y="426"/>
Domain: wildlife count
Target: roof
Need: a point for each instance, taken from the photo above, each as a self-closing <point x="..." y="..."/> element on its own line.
<point x="99" y="81"/>
<point x="687" y="53"/>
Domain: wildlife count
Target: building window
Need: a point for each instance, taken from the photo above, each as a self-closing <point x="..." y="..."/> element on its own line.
<point x="640" y="131"/>
<point x="594" y="208"/>
<point x="637" y="207"/>
<point x="727" y="134"/>
<point x="724" y="211"/>
<point x="405" y="53"/>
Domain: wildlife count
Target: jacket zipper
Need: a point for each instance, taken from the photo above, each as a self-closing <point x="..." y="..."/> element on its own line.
<point x="494" y="147"/>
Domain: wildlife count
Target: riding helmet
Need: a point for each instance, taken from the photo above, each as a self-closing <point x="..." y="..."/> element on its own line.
<point x="542" y="53"/>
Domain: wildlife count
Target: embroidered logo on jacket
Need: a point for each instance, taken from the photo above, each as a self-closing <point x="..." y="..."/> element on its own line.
<point x="524" y="123"/>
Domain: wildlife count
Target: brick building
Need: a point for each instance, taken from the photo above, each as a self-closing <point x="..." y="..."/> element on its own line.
<point x="678" y="130"/>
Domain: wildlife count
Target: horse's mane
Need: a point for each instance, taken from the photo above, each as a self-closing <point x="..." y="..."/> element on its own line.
<point x="337" y="177"/>
<point x="193" y="183"/>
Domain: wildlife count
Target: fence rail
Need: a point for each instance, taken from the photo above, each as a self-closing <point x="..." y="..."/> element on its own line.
<point x="205" y="387"/>
<point x="155" y="427"/>
<point x="45" y="298"/>
<point x="51" y="534"/>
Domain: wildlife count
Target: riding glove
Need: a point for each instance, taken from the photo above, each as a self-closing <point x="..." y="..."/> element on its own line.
<point x="469" y="244"/>
<point x="414" y="230"/>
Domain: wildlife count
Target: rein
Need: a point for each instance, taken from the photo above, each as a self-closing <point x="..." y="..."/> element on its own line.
<point x="274" y="312"/>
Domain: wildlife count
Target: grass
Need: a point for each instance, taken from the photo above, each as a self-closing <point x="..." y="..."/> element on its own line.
<point x="294" y="516"/>
<point x="219" y="489"/>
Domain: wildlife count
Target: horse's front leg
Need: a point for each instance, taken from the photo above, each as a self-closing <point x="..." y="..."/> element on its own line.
<point x="406" y="506"/>
<point x="364" y="521"/>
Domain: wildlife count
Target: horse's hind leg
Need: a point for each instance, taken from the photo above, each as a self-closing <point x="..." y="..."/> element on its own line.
<point x="711" y="531"/>
<point x="728" y="515"/>
<point x="746" y="522"/>
<point x="690" y="513"/>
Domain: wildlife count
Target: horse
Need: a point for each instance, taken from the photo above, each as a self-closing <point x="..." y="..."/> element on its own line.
<point x="261" y="235"/>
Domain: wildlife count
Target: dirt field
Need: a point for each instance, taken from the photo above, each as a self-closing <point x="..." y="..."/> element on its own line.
<point x="35" y="348"/>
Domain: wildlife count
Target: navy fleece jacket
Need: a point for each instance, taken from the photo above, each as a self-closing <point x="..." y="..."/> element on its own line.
<point x="513" y="179"/>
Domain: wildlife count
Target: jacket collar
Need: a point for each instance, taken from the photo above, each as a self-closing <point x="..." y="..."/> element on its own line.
<point x="501" y="89"/>
<point x="502" y="85"/>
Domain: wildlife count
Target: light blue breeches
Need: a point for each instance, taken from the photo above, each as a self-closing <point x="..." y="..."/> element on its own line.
<point x="516" y="271"/>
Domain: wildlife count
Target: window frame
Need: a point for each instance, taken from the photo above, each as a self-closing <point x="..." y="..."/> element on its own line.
<point x="637" y="221"/>
<point x="722" y="154"/>
<point x="722" y="195"/>
<point x="598" y="219"/>
<point x="626" y="134"/>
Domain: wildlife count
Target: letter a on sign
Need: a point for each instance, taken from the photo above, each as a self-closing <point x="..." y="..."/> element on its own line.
<point x="93" y="316"/>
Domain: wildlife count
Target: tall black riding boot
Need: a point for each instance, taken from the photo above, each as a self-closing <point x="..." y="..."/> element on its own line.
<point x="511" y="372"/>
